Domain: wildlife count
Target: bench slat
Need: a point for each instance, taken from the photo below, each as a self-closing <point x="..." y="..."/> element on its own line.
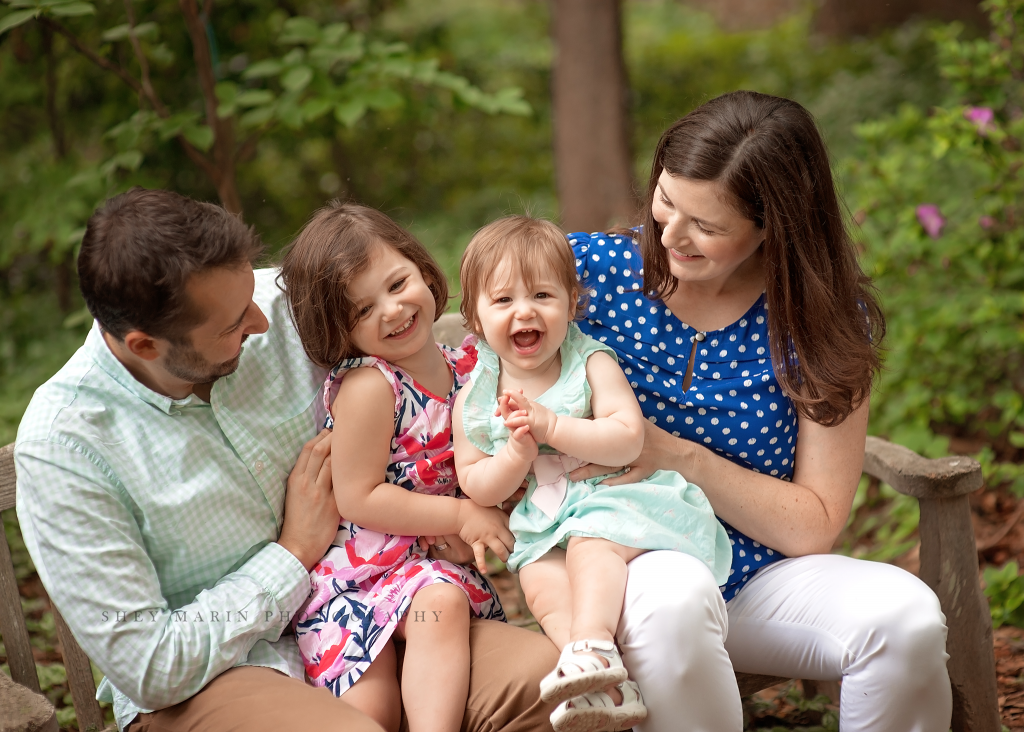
<point x="7" y="479"/>
<point x="83" y="686"/>
<point x="12" y="622"/>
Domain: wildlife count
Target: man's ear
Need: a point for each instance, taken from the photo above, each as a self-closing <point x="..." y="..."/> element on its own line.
<point x="141" y="345"/>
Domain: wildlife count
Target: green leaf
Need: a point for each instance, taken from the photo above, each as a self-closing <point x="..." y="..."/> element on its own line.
<point x="333" y="33"/>
<point x="227" y="94"/>
<point x="254" y="98"/>
<point x="316" y="108"/>
<point x="146" y="31"/>
<point x="383" y="99"/>
<point x="18" y="17"/>
<point x="257" y="117"/>
<point x="350" y="112"/>
<point x="73" y="9"/>
<point x="263" y="69"/>
<point x="300" y="30"/>
<point x="199" y="135"/>
<point x="297" y="78"/>
<point x="290" y="113"/>
<point x="130" y="160"/>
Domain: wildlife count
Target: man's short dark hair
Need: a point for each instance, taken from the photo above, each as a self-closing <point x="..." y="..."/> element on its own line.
<point x="139" y="251"/>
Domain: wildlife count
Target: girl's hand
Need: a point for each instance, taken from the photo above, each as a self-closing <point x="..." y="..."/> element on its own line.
<point x="524" y="412"/>
<point x="482" y="528"/>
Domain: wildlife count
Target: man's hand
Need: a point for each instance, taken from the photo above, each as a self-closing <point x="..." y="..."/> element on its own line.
<point x="482" y="528"/>
<point x="310" y="511"/>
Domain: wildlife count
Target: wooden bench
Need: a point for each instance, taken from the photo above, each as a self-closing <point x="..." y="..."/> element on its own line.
<point x="949" y="565"/>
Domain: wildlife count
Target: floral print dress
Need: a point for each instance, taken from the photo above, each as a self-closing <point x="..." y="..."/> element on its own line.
<point x="364" y="585"/>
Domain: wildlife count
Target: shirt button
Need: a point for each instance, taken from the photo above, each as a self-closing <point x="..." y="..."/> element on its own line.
<point x="699" y="337"/>
<point x="259" y="466"/>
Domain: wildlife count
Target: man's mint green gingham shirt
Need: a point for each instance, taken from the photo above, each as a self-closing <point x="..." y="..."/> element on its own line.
<point x="152" y="521"/>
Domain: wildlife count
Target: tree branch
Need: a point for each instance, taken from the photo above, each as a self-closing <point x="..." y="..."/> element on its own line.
<point x="197" y="157"/>
<point x="89" y="54"/>
<point x="147" y="86"/>
<point x="56" y="128"/>
<point x="247" y="148"/>
<point x="223" y="129"/>
<point x="201" y="54"/>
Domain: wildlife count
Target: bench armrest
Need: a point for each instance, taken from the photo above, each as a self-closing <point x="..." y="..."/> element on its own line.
<point x="913" y="475"/>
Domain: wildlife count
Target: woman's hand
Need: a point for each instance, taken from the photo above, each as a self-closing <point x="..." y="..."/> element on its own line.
<point x="482" y="528"/>
<point x="662" y="451"/>
<point x="454" y="550"/>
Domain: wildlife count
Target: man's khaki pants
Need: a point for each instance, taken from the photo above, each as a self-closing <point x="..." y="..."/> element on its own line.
<point x="505" y="672"/>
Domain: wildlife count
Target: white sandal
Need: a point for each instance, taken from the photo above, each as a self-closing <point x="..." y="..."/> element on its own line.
<point x="597" y="712"/>
<point x="578" y="673"/>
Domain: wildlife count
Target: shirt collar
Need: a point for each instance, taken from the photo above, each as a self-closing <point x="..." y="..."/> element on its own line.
<point x="102" y="355"/>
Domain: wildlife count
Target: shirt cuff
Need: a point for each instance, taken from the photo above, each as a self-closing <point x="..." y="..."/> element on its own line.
<point x="282" y="575"/>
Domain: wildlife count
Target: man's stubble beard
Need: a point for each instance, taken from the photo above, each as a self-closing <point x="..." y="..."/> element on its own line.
<point x="185" y="363"/>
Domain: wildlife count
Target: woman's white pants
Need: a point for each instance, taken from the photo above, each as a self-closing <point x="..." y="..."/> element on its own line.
<point x="822" y="617"/>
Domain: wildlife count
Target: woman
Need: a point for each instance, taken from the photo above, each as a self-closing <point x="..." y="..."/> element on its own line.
<point x="751" y="336"/>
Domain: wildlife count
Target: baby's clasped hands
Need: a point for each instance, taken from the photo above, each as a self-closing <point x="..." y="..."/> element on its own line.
<point x="522" y="415"/>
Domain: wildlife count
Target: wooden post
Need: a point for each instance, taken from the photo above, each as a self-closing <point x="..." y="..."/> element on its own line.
<point x="79" y="670"/>
<point x="949" y="565"/>
<point x="12" y="622"/>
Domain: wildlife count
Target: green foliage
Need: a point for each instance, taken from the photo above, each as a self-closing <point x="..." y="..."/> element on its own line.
<point x="1004" y="589"/>
<point x="954" y="295"/>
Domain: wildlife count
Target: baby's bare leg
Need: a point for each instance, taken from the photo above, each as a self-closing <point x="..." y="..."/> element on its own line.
<point x="549" y="595"/>
<point x="377" y="694"/>
<point x="435" y="673"/>
<point x="597" y="574"/>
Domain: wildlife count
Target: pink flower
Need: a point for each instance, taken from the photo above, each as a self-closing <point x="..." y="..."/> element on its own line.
<point x="981" y="117"/>
<point x="931" y="220"/>
<point x="986" y="222"/>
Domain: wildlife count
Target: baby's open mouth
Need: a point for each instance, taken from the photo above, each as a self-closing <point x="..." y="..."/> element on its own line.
<point x="526" y="339"/>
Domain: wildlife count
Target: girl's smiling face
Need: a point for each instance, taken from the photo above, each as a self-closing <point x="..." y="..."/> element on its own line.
<point x="706" y="238"/>
<point x="394" y="305"/>
<point x="525" y="323"/>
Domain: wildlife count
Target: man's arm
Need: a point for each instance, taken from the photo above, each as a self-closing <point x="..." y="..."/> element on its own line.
<point x="87" y="547"/>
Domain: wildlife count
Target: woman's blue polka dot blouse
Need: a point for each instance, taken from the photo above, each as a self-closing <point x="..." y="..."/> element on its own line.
<point x="734" y="406"/>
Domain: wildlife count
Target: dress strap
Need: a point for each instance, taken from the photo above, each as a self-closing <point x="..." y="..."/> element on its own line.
<point x="478" y="408"/>
<point x="333" y="382"/>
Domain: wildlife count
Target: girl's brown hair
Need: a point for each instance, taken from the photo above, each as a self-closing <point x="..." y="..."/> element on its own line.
<point x="533" y="246"/>
<point x="336" y="246"/>
<point x="825" y="325"/>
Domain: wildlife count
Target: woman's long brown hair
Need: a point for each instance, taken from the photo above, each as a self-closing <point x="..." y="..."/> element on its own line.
<point x="825" y="325"/>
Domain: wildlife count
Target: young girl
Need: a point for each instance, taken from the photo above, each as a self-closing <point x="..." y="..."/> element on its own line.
<point x="543" y="400"/>
<point x="364" y="295"/>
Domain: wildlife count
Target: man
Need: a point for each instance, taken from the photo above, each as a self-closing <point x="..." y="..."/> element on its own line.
<point x="152" y="476"/>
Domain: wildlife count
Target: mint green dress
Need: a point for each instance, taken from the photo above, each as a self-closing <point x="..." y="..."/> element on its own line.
<point x="662" y="512"/>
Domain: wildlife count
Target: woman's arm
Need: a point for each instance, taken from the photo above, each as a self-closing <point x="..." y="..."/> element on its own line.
<point x="488" y="480"/>
<point x="364" y="422"/>
<point x="800" y="517"/>
<point x="614" y="436"/>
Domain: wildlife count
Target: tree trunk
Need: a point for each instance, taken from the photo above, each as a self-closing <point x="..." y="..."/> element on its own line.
<point x="592" y="152"/>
